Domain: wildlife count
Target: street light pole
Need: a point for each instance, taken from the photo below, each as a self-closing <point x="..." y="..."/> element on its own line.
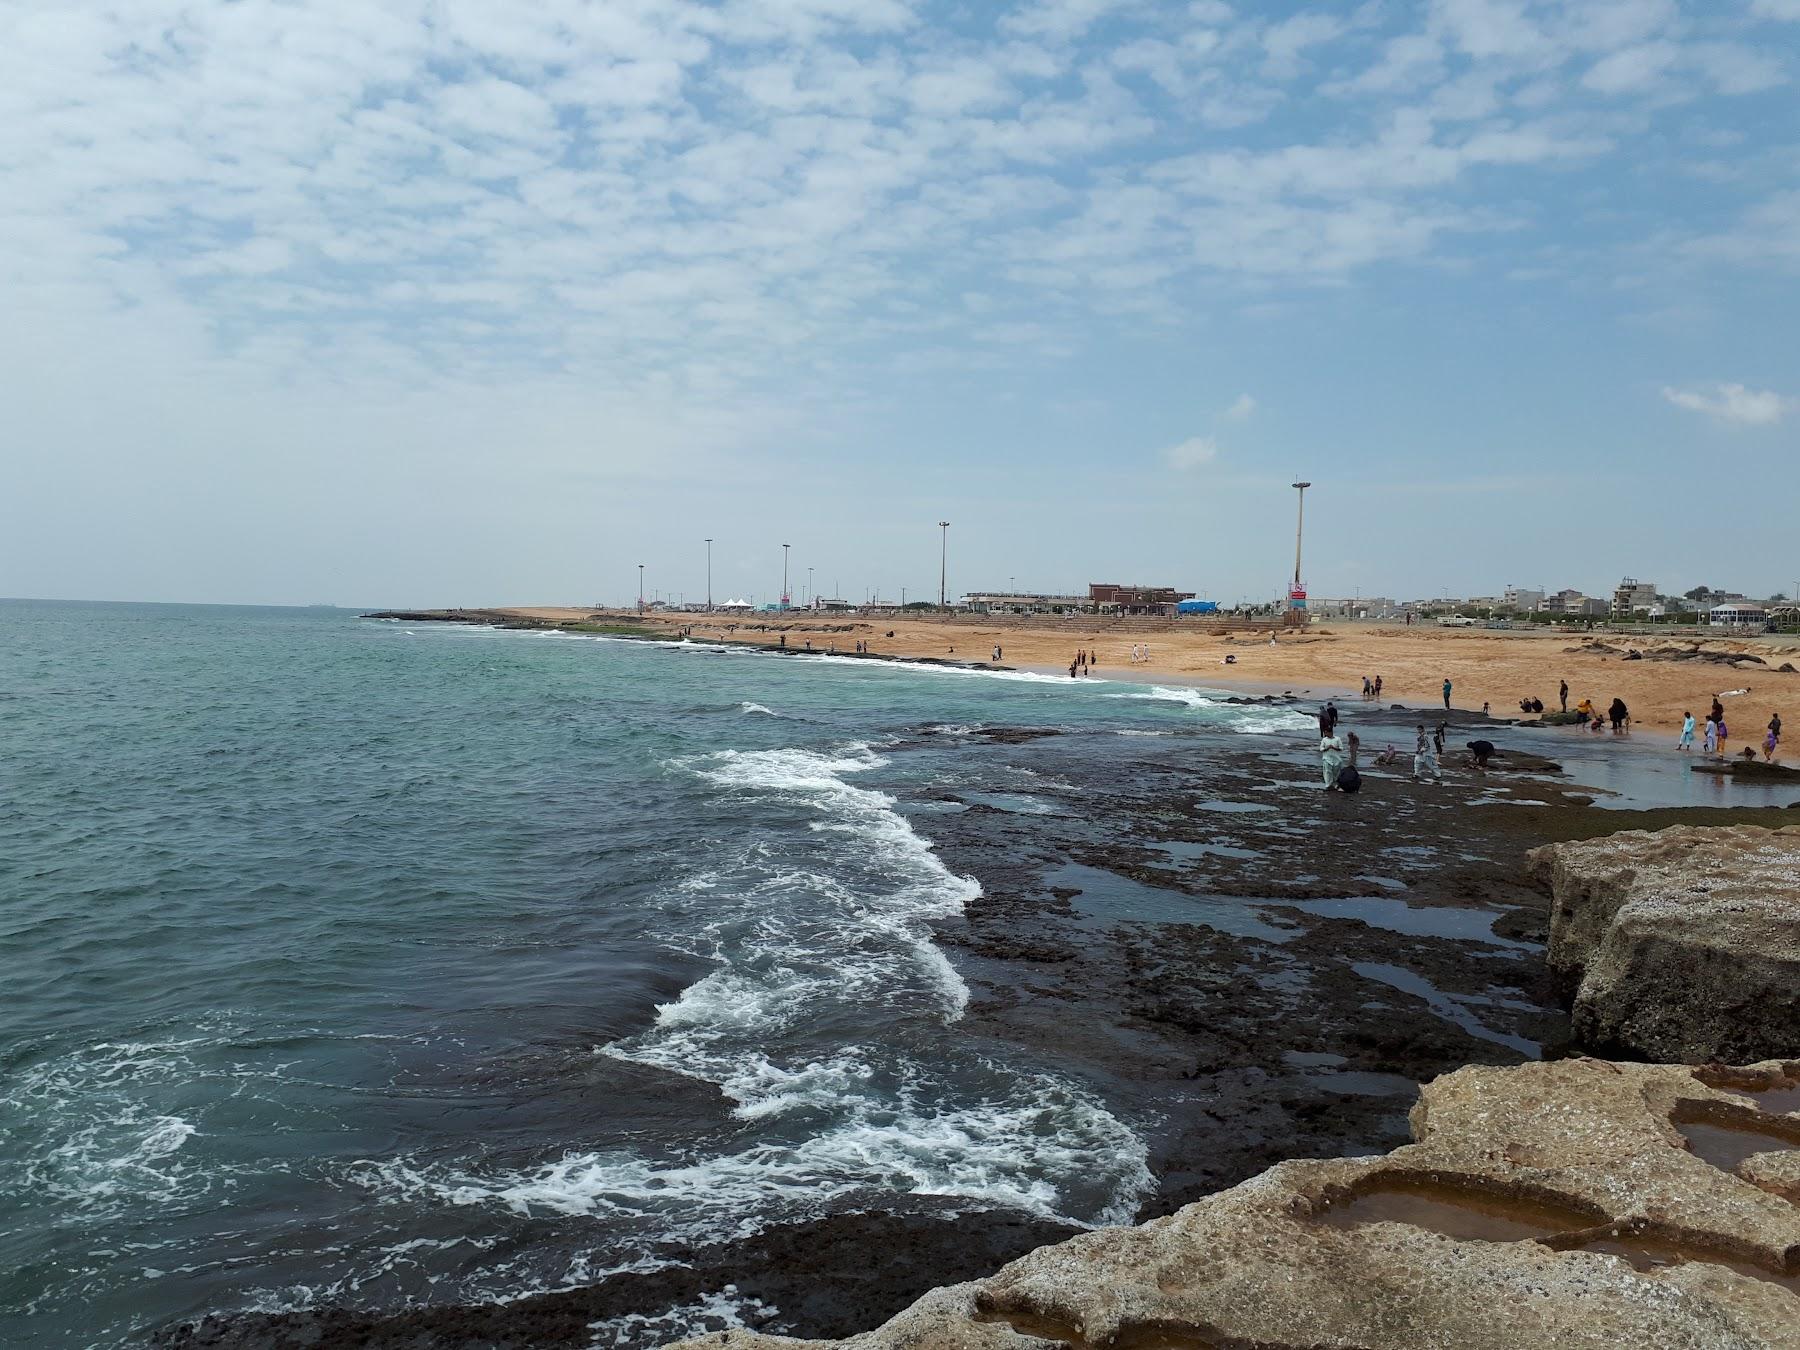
<point x="709" y="574"/>
<point x="943" y="558"/>
<point x="1299" y="526"/>
<point x="640" y="588"/>
<point x="809" y="589"/>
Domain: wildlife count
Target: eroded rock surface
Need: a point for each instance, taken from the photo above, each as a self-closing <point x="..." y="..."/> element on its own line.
<point x="1679" y="945"/>
<point x="1547" y="1204"/>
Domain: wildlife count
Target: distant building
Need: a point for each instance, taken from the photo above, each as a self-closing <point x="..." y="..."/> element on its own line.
<point x="1354" y="607"/>
<point x="1018" y="602"/>
<point x="1107" y="597"/>
<point x="1522" y="601"/>
<point x="823" y="605"/>
<point x="1738" y="616"/>
<point x="1630" y="596"/>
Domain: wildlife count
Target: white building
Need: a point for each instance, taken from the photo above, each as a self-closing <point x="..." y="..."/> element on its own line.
<point x="1737" y="616"/>
<point x="1523" y="600"/>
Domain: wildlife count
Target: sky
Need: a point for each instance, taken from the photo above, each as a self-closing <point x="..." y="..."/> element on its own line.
<point x="437" y="302"/>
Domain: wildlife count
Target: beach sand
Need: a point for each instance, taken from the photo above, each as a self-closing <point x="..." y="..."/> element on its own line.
<point x="1496" y="666"/>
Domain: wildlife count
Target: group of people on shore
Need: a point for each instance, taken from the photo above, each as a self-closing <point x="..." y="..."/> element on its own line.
<point x="1371" y="688"/>
<point x="1082" y="666"/>
<point x="1712" y="743"/>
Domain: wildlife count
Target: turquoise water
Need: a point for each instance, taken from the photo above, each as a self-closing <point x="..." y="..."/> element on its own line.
<point x="353" y="961"/>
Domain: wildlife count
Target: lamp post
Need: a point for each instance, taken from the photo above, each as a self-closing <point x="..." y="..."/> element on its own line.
<point x="709" y="574"/>
<point x="1299" y="526"/>
<point x="785" y="604"/>
<point x="809" y="589"/>
<point x="943" y="558"/>
<point x="640" y="588"/>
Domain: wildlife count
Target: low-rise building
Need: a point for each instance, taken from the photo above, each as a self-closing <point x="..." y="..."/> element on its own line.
<point x="1738" y="616"/>
<point x="1020" y="602"/>
<point x="1521" y="600"/>
<point x="1108" y="597"/>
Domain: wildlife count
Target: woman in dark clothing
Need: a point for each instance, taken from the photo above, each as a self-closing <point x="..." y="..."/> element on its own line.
<point x="1619" y="715"/>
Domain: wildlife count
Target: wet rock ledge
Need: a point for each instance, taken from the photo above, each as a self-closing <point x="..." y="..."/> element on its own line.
<point x="1682" y="944"/>
<point x="1579" y="1203"/>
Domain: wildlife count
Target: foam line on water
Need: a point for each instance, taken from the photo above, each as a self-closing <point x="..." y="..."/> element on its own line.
<point x="822" y="922"/>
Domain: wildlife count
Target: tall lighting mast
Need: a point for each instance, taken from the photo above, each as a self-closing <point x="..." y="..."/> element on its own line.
<point x="1297" y="596"/>
<point x="943" y="558"/>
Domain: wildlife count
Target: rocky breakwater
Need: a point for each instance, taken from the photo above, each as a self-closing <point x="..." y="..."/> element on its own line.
<point x="1578" y="1203"/>
<point x="1683" y="944"/>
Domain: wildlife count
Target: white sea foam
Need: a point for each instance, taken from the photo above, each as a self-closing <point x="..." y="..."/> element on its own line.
<point x="809" y="937"/>
<point x="749" y="707"/>
<point x="1239" y="717"/>
<point x="721" y="1310"/>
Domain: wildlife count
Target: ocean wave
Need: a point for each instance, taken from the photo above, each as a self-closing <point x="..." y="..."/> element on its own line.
<point x="749" y="707"/>
<point x="824" y="1025"/>
<point x="1247" y="719"/>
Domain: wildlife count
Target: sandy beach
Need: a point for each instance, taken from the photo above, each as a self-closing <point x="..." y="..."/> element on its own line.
<point x="1498" y="667"/>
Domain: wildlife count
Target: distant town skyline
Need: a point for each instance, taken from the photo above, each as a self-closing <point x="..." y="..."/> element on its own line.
<point x="431" y="303"/>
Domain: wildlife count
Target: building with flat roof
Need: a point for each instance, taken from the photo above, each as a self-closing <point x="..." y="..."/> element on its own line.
<point x="1737" y="616"/>
<point x="1108" y="597"/>
<point x="1022" y="602"/>
<point x="1631" y="596"/>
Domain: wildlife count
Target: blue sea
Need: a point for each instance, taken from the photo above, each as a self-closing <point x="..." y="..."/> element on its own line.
<point x="366" y="962"/>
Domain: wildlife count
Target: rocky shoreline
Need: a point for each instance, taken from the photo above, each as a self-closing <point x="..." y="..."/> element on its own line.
<point x="1578" y="1203"/>
<point x="1255" y="972"/>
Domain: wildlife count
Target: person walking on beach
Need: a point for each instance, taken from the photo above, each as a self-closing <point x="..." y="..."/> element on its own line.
<point x="1425" y="758"/>
<point x="1368" y="688"/>
<point x="1437" y="737"/>
<point x="1564" y="694"/>
<point x="1378" y="686"/>
<point x="1709" y="745"/>
<point x="1772" y="740"/>
<point x="1620" y="716"/>
<point x="1686" y="742"/>
<point x="1446" y="691"/>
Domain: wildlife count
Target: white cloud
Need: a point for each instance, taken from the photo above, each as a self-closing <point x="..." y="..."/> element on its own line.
<point x="1192" y="453"/>
<point x="1786" y="10"/>
<point x="1241" y="408"/>
<point x="1734" y="403"/>
<point x="1632" y="69"/>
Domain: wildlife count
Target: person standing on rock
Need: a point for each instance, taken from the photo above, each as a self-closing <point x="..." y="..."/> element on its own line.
<point x="1772" y="739"/>
<point x="1709" y="745"/>
<point x="1425" y="758"/>
<point x="1446" y="693"/>
<point x="1563" y="693"/>
<point x="1331" y="757"/>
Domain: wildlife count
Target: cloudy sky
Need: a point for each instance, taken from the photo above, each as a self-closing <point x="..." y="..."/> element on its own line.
<point x="433" y="301"/>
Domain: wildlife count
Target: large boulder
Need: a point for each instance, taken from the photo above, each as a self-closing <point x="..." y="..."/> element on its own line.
<point x="1682" y="944"/>
<point x="1547" y="1204"/>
